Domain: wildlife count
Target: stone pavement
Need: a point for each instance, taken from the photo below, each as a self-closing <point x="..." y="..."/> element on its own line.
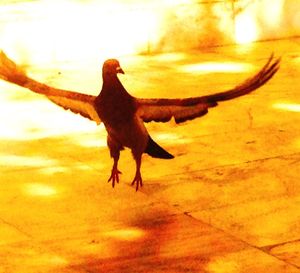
<point x="228" y="202"/>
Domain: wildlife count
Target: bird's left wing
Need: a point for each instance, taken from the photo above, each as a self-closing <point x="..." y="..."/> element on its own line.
<point x="162" y="110"/>
<point x="76" y="102"/>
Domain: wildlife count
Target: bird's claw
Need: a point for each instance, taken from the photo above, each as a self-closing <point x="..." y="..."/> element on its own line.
<point x="114" y="176"/>
<point x="138" y="181"/>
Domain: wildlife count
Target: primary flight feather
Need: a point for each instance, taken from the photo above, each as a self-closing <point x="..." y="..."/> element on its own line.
<point x="123" y="115"/>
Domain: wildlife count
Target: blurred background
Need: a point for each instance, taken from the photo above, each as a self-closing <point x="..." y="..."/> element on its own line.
<point x="43" y="31"/>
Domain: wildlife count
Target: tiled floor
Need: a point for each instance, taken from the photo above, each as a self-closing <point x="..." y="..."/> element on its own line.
<point x="228" y="203"/>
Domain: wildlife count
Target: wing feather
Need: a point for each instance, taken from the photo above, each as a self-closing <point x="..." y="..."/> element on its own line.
<point x="76" y="102"/>
<point x="162" y="110"/>
<point x="84" y="108"/>
<point x="166" y="113"/>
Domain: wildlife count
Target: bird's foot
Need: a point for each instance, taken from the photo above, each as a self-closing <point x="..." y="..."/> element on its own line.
<point x="114" y="176"/>
<point x="138" y="181"/>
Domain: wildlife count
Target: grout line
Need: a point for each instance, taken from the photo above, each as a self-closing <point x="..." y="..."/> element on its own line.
<point x="270" y="247"/>
<point x="187" y="214"/>
<point x="235" y="164"/>
<point x="243" y="241"/>
<point x="16" y="228"/>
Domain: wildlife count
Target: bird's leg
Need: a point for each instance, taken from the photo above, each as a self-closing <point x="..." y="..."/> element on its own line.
<point x="138" y="178"/>
<point x="115" y="172"/>
<point x="114" y="149"/>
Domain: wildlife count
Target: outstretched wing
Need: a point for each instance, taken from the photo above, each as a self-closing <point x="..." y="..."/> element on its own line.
<point x="162" y="110"/>
<point x="76" y="102"/>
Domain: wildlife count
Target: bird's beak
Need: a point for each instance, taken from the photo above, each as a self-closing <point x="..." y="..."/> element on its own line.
<point x="120" y="70"/>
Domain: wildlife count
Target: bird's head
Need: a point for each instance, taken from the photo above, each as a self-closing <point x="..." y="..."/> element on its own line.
<point x="111" y="67"/>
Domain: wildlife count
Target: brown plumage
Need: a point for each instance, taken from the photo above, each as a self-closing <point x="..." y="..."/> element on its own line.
<point x="124" y="115"/>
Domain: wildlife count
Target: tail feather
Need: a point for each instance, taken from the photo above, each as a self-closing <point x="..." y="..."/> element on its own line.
<point x="154" y="150"/>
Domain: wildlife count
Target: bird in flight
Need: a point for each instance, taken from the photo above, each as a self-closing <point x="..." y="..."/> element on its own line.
<point x="123" y="115"/>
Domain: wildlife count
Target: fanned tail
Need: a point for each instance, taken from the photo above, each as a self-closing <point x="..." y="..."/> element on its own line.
<point x="154" y="150"/>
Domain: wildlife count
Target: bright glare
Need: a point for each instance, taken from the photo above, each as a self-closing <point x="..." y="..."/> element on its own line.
<point x="297" y="60"/>
<point x="92" y="142"/>
<point x="274" y="14"/>
<point x="128" y="234"/>
<point x="52" y="170"/>
<point x="38" y="32"/>
<point x="35" y="257"/>
<point x="292" y="107"/>
<point x="172" y="138"/>
<point x="240" y="24"/>
<point x="69" y="30"/>
<point x="223" y="265"/>
<point x="297" y="143"/>
<point x="36" y="119"/>
<point x="216" y="67"/>
<point x="28" y="161"/>
<point x="42" y="190"/>
<point x="176" y="2"/>
<point x="246" y="29"/>
<point x="50" y="259"/>
<point x="170" y="57"/>
<point x="250" y="21"/>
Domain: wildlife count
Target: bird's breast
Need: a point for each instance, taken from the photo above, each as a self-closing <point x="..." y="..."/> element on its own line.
<point x="115" y="111"/>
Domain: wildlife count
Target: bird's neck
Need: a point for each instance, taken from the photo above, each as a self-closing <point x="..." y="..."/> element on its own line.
<point x="110" y="80"/>
<point x="112" y="85"/>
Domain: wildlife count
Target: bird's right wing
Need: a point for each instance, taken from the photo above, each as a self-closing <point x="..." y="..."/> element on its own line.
<point x="76" y="102"/>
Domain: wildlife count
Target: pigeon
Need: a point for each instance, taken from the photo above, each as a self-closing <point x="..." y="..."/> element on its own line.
<point x="124" y="115"/>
